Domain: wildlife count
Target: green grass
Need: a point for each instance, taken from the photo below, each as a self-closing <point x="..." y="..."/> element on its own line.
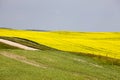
<point x="61" y="66"/>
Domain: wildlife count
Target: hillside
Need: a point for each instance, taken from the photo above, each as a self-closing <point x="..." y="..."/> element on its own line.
<point x="96" y="43"/>
<point x="52" y="64"/>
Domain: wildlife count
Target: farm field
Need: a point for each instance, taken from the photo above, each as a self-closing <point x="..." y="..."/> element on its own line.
<point x="97" y="43"/>
<point x="48" y="63"/>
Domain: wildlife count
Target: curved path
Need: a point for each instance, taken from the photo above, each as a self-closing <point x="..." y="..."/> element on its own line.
<point x="11" y="43"/>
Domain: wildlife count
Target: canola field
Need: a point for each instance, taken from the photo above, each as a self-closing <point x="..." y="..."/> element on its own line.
<point x="97" y="43"/>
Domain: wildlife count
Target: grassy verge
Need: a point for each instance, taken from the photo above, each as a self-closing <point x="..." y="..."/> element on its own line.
<point x="61" y="66"/>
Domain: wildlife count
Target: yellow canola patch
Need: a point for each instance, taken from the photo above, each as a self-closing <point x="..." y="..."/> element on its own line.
<point x="97" y="43"/>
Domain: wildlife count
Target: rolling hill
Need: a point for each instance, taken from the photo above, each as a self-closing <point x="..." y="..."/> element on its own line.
<point x="97" y="43"/>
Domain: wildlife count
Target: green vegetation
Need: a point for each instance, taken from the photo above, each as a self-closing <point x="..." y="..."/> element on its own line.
<point x="60" y="66"/>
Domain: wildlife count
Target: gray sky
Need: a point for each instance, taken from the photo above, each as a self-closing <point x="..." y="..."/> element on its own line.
<point x="77" y="15"/>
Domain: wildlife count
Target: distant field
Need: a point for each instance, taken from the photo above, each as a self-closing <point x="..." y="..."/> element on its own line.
<point x="97" y="43"/>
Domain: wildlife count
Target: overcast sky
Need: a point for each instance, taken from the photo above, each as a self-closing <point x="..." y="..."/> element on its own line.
<point x="77" y="15"/>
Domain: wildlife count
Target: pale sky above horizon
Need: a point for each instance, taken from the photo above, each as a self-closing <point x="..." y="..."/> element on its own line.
<point x="76" y="15"/>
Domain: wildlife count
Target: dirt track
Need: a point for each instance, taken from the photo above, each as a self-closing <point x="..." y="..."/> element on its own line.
<point x="22" y="59"/>
<point x="16" y="45"/>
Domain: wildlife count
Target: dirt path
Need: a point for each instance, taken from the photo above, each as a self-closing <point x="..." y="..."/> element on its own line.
<point x="22" y="59"/>
<point x="92" y="64"/>
<point x="16" y="45"/>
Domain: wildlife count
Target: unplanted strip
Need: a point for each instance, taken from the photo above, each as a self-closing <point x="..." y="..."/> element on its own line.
<point x="16" y="45"/>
